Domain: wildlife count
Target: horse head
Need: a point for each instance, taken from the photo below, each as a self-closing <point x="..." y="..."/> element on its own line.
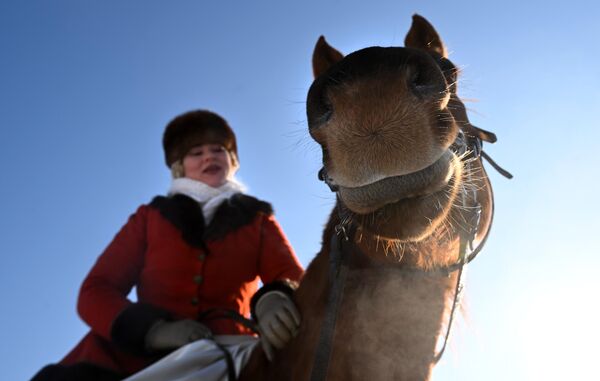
<point x="405" y="164"/>
<point x="396" y="139"/>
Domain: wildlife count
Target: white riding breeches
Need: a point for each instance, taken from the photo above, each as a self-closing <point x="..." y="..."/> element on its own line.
<point x="201" y="360"/>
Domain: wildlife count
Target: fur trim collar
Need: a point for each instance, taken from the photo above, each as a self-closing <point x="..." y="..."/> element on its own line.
<point x="186" y="215"/>
<point x="210" y="198"/>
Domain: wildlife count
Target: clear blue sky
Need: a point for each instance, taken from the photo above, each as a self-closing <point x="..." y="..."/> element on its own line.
<point x="86" y="88"/>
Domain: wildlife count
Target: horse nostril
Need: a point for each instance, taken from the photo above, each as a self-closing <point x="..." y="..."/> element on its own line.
<point x="323" y="110"/>
<point x="318" y="105"/>
<point x="421" y="87"/>
<point x="319" y="114"/>
<point x="449" y="71"/>
<point x="321" y="174"/>
<point x="326" y="115"/>
<point x="425" y="82"/>
<point x="426" y="90"/>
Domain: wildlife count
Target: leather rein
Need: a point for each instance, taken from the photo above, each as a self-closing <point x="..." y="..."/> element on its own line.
<point x="467" y="145"/>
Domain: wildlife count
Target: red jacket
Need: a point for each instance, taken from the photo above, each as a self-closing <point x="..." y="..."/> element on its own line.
<point x="180" y="268"/>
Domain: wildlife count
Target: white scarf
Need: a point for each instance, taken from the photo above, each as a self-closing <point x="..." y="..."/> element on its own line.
<point x="208" y="197"/>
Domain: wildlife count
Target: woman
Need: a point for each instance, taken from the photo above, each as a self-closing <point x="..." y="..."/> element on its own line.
<point x="197" y="251"/>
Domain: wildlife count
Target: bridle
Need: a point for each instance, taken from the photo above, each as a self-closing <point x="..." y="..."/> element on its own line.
<point x="468" y="146"/>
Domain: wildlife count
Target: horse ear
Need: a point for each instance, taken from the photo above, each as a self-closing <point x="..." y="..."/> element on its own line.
<point x="423" y="36"/>
<point x="324" y="56"/>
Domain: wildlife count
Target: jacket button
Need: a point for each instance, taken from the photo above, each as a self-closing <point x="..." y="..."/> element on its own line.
<point x="194" y="301"/>
<point x="201" y="257"/>
<point x="198" y="279"/>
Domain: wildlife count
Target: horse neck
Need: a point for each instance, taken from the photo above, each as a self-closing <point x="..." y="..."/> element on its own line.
<point x="384" y="312"/>
<point x="389" y="319"/>
<point x="438" y="250"/>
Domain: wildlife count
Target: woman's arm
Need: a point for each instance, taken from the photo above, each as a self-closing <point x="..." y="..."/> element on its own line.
<point x="272" y="306"/>
<point x="103" y="294"/>
<point x="278" y="262"/>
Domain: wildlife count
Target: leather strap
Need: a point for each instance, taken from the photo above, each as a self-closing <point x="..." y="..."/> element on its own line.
<point x="338" y="270"/>
<point x="221" y="313"/>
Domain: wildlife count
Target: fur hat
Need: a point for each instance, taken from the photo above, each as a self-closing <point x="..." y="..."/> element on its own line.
<point x="195" y="128"/>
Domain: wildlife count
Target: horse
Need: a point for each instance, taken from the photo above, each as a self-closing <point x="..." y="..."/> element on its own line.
<point x="413" y="205"/>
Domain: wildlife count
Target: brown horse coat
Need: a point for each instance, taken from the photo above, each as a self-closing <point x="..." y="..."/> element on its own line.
<point x="389" y="123"/>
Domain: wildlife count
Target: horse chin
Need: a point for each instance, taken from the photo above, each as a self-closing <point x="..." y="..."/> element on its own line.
<point x="412" y="206"/>
<point x="409" y="220"/>
<point x="371" y="197"/>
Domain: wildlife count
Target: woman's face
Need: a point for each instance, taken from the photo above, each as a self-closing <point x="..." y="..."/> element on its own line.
<point x="209" y="163"/>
